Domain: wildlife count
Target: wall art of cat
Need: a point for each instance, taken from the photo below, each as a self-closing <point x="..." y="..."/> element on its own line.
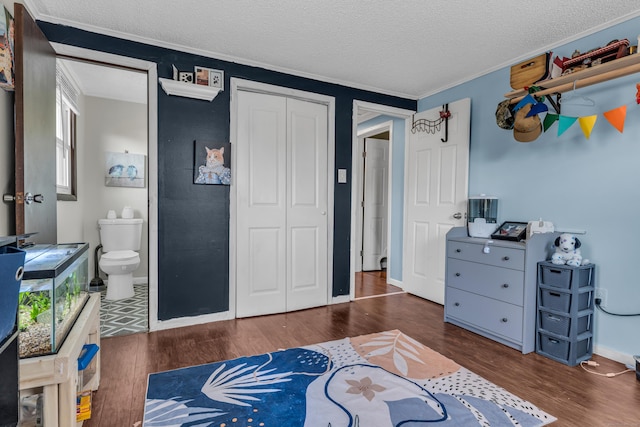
<point x="210" y="165"/>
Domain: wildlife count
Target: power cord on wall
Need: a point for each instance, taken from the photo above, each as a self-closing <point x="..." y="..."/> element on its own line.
<point x="598" y="301"/>
<point x="586" y="363"/>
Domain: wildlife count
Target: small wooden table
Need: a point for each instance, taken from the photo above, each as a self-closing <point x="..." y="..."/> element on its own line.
<point x="57" y="374"/>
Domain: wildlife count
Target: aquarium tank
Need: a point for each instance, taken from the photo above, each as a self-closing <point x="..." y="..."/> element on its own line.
<point x="54" y="290"/>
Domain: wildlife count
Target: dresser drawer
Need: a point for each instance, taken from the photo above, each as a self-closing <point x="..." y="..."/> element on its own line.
<point x="498" y="256"/>
<point x="496" y="317"/>
<point x="495" y="282"/>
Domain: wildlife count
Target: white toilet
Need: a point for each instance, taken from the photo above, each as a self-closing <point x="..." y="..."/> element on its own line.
<point x="120" y="238"/>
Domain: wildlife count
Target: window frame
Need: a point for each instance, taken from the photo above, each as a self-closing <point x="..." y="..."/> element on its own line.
<point x="67" y="117"/>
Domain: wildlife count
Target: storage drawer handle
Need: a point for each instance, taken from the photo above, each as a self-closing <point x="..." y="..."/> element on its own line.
<point x="506" y="258"/>
<point x="457" y="304"/>
<point x="457" y="274"/>
<point x="504" y="320"/>
<point x="551" y="340"/>
<point x="506" y="285"/>
<point x="551" y="270"/>
<point x="554" y="294"/>
<point x="458" y="250"/>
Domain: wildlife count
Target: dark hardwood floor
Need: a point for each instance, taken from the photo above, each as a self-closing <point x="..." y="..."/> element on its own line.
<point x="373" y="284"/>
<point x="574" y="396"/>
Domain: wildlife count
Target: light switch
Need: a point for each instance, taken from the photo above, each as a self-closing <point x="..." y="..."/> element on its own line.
<point x="342" y="176"/>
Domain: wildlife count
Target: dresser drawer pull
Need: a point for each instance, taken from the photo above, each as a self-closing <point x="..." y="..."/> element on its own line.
<point x="506" y="258"/>
<point x="457" y="274"/>
<point x="504" y="320"/>
<point x="457" y="304"/>
<point x="458" y="250"/>
<point x="506" y="285"/>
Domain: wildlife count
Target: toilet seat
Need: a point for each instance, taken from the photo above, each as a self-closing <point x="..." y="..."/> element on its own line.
<point x="121" y="256"/>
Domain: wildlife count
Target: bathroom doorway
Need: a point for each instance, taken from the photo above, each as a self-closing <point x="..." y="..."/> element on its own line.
<point x="112" y="120"/>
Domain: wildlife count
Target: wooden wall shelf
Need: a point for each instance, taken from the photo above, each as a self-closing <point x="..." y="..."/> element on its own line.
<point x="624" y="66"/>
<point x="189" y="90"/>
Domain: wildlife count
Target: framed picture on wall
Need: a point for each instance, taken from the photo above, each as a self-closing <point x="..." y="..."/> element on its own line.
<point x="216" y="79"/>
<point x="209" y="77"/>
<point x="124" y="170"/>
<point x="211" y="163"/>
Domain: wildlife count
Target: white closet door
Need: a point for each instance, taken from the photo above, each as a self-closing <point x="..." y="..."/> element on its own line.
<point x="260" y="174"/>
<point x="281" y="174"/>
<point x="307" y="205"/>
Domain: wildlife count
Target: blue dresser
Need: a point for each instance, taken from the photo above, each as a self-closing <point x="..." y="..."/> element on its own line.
<point x="490" y="286"/>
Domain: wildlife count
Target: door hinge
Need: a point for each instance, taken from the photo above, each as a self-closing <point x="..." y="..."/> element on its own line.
<point x="364" y="154"/>
<point x="361" y="253"/>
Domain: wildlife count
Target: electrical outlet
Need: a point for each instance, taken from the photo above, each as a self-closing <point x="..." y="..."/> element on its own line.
<point x="602" y="294"/>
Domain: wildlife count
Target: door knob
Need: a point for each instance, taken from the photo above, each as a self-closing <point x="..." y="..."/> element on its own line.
<point x="30" y="198"/>
<point x="323" y="213"/>
<point x="457" y="215"/>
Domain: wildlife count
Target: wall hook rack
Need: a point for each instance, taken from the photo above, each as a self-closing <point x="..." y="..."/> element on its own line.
<point x="433" y="126"/>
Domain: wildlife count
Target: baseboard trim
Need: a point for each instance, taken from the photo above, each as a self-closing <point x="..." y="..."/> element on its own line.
<point x="143" y="280"/>
<point x="394" y="282"/>
<point x="189" y="321"/>
<point x="340" y="299"/>
<point x="625" y="359"/>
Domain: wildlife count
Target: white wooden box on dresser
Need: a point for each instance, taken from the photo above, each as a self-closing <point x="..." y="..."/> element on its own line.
<point x="490" y="286"/>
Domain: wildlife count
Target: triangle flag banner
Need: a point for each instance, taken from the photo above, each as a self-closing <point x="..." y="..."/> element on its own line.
<point x="538" y="108"/>
<point x="616" y="117"/>
<point x="549" y="119"/>
<point x="526" y="100"/>
<point x="564" y="123"/>
<point x="587" y="123"/>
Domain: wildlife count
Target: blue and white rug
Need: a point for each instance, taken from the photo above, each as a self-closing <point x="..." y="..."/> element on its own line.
<point x="383" y="379"/>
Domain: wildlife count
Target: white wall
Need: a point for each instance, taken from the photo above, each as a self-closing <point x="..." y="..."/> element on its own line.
<point x="105" y="126"/>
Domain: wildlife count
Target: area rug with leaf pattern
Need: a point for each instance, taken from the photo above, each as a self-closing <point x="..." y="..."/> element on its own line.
<point x="382" y="379"/>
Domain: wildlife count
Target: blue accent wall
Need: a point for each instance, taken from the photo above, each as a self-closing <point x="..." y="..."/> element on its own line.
<point x="576" y="183"/>
<point x="193" y="220"/>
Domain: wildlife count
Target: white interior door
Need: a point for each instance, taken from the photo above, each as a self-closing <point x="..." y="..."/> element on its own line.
<point x="375" y="203"/>
<point x="307" y="205"/>
<point x="436" y="187"/>
<point x="281" y="178"/>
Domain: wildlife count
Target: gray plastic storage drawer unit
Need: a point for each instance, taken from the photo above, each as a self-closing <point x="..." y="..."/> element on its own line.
<point x="564" y="327"/>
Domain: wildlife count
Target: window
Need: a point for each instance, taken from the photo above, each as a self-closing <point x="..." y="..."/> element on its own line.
<point x="66" y="110"/>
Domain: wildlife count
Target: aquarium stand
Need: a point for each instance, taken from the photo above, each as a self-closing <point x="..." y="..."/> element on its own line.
<point x="57" y="374"/>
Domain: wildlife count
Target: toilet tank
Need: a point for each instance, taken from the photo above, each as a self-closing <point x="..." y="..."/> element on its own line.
<point x="120" y="234"/>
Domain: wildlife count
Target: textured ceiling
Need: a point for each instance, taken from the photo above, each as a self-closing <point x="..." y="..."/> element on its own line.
<point x="408" y="48"/>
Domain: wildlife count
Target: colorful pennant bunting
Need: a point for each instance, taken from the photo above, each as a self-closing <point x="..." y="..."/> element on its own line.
<point x="586" y="124"/>
<point x="550" y="119"/>
<point x="537" y="108"/>
<point x="616" y="117"/>
<point x="564" y="123"/>
<point x="526" y="100"/>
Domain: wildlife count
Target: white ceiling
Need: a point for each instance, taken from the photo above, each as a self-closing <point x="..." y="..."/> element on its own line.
<point x="108" y="82"/>
<point x="410" y="48"/>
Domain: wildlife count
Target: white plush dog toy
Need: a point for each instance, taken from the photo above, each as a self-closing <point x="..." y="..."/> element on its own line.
<point x="568" y="251"/>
